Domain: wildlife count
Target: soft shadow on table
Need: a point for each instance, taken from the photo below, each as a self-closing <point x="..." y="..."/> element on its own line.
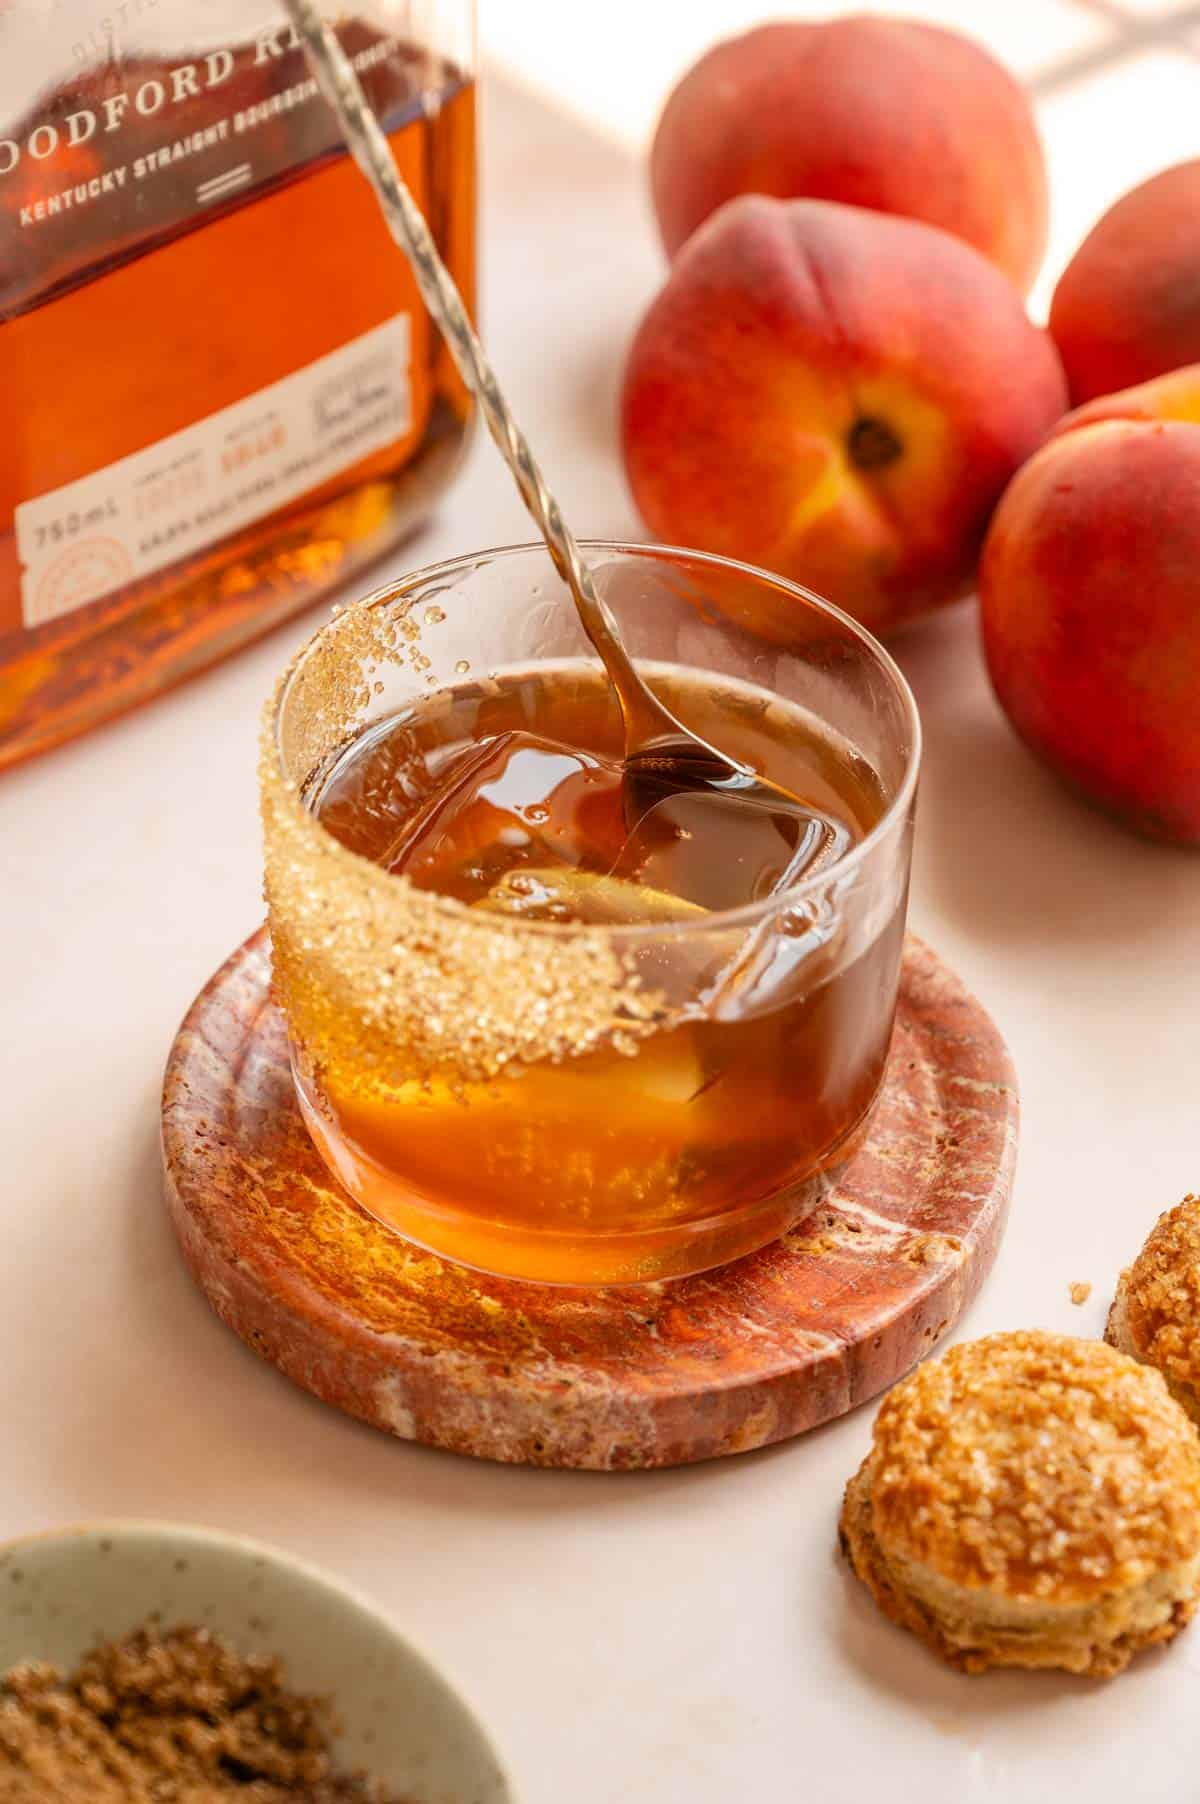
<point x="1002" y="847"/>
<point x="596" y="387"/>
<point x="566" y="333"/>
<point x="949" y="1702"/>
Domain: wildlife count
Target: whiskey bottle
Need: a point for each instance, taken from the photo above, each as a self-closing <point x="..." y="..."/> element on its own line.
<point x="222" y="394"/>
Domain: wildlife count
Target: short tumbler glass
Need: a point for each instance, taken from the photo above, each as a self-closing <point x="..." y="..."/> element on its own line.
<point x="589" y="1104"/>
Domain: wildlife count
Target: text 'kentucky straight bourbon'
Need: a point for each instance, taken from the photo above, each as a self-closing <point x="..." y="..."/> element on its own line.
<point x="222" y="393"/>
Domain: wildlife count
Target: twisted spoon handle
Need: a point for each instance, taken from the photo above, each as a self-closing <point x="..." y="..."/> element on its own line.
<point x="643" y="714"/>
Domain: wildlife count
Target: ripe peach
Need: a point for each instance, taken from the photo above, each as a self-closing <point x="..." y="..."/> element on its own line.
<point x="1090" y="592"/>
<point x="876" y="112"/>
<point x="838" y="395"/>
<point x="1127" y="306"/>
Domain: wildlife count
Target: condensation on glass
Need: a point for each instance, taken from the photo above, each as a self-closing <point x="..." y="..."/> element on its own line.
<point x="222" y="394"/>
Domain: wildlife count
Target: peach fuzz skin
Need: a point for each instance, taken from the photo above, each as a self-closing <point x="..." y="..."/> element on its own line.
<point x="875" y="112"/>
<point x="1127" y="306"/>
<point x="839" y="396"/>
<point x="1090" y="604"/>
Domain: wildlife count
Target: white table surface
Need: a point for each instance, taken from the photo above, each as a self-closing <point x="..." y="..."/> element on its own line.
<point x="666" y="1637"/>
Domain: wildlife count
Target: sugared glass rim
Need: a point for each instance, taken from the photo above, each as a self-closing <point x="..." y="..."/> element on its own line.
<point x="747" y="914"/>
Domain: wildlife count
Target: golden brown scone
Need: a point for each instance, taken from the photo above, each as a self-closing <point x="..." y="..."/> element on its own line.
<point x="1030" y="1500"/>
<point x="1156" y="1312"/>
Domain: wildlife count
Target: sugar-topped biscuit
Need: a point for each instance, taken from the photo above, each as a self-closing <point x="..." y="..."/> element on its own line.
<point x="1155" y="1315"/>
<point x="1030" y="1500"/>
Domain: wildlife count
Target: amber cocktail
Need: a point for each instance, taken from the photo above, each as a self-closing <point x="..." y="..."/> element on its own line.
<point x="533" y="1035"/>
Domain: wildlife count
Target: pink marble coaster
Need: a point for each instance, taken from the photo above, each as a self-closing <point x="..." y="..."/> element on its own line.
<point x="655" y="1375"/>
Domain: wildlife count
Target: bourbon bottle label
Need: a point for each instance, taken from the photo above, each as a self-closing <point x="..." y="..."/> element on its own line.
<point x="175" y="497"/>
<point x="139" y="145"/>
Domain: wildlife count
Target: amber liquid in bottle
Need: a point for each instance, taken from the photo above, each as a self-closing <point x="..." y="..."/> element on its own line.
<point x="697" y="1143"/>
<point x="133" y="335"/>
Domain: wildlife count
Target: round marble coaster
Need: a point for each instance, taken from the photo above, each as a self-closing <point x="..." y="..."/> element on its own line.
<point x="650" y="1375"/>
